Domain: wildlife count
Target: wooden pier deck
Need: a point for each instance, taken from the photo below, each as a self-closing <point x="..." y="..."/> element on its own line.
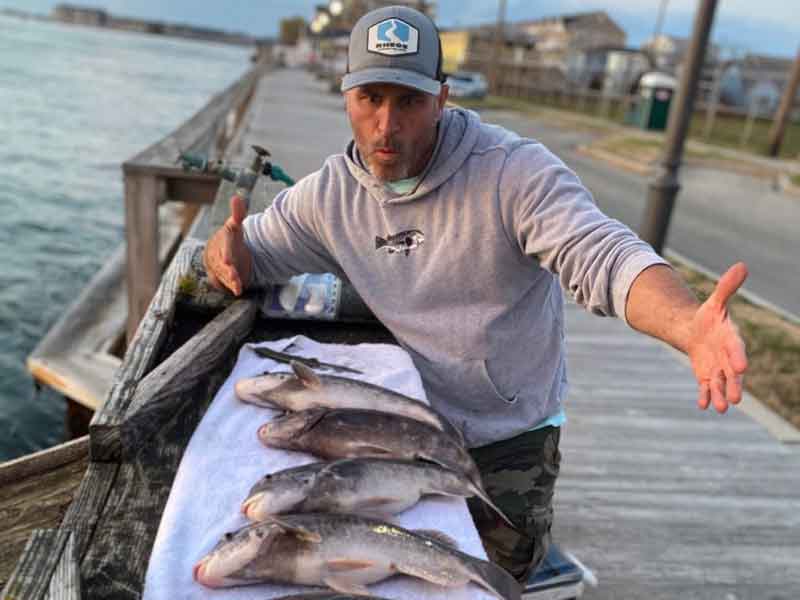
<point x="659" y="499"/>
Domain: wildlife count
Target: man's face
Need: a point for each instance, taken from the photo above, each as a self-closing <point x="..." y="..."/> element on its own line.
<point x="394" y="127"/>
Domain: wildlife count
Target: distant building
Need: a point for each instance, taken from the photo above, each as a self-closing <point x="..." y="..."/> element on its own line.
<point x="612" y="70"/>
<point x="559" y="38"/>
<point x="756" y="81"/>
<point x="668" y="52"/>
<point x="474" y="49"/>
<point x="80" y="15"/>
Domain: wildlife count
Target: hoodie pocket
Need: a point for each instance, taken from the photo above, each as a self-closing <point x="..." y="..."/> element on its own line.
<point x="509" y="397"/>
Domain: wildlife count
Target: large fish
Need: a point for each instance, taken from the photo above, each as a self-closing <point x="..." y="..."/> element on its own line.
<point x="345" y="553"/>
<point x="303" y="389"/>
<point x="358" y="486"/>
<point x="350" y="433"/>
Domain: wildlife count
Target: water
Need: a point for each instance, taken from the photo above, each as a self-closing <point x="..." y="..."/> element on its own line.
<point x="74" y="104"/>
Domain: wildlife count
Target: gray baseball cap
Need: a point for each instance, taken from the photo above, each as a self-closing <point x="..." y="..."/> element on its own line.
<point x="395" y="44"/>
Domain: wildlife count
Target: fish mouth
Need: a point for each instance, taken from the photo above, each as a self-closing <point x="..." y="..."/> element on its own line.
<point x="250" y="507"/>
<point x="203" y="578"/>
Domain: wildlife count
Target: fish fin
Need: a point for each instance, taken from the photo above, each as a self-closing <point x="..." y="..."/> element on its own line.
<point x="478" y="491"/>
<point x="379" y="242"/>
<point x="446" y="577"/>
<point x="492" y="578"/>
<point x="348" y="564"/>
<point x="306" y="375"/>
<point x="343" y="586"/>
<point x="372" y="449"/>
<point x="300" y="532"/>
<point x="437" y="536"/>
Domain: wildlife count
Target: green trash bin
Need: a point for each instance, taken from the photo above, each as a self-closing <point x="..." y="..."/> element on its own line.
<point x="655" y="96"/>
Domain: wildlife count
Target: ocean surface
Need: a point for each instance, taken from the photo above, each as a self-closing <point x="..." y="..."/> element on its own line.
<point x="75" y="103"/>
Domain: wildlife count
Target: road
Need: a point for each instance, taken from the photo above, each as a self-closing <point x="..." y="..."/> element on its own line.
<point x="719" y="218"/>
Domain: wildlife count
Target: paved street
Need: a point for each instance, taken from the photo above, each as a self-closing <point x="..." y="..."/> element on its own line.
<point x="719" y="218"/>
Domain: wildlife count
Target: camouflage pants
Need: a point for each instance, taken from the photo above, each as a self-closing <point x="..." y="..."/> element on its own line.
<point x="519" y="475"/>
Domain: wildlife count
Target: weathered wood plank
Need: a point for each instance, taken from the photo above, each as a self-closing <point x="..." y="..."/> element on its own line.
<point x="84" y="512"/>
<point x="31" y="577"/>
<point x="105" y="443"/>
<point x="143" y="194"/>
<point x="162" y="392"/>
<point x="34" y="494"/>
<point x="45" y="460"/>
<point x="660" y="499"/>
<point x="65" y="584"/>
<point x="116" y="562"/>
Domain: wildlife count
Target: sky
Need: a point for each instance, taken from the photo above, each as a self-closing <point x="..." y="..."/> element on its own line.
<point x="760" y="26"/>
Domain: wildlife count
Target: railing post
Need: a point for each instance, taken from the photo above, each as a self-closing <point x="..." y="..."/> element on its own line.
<point x="143" y="194"/>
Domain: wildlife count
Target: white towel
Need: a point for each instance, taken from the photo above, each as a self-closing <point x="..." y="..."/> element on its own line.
<point x="224" y="459"/>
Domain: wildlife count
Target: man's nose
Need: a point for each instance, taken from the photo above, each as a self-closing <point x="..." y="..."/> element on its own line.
<point x="388" y="119"/>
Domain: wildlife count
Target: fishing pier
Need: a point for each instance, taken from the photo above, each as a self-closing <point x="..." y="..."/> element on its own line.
<point x="657" y="499"/>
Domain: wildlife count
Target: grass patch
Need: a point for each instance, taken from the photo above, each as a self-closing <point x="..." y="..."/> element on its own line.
<point x="795" y="179"/>
<point x="727" y="130"/>
<point x="773" y="349"/>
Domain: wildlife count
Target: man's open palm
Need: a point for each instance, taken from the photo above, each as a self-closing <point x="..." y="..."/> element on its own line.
<point x="226" y="258"/>
<point x="716" y="349"/>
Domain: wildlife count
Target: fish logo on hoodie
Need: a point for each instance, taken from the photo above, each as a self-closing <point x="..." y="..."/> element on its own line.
<point x="405" y="241"/>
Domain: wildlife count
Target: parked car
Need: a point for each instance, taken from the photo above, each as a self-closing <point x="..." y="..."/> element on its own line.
<point x="467" y="84"/>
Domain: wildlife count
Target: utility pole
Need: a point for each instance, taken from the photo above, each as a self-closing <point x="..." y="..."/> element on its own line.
<point x="665" y="187"/>
<point x="784" y="110"/>
<point x="499" y="38"/>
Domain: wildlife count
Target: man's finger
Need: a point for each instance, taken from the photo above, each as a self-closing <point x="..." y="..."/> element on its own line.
<point x="730" y="281"/>
<point x="703" y="396"/>
<point x="238" y="209"/>
<point x="718" y="394"/>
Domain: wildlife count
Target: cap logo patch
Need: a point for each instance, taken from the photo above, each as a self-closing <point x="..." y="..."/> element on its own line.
<point x="393" y="37"/>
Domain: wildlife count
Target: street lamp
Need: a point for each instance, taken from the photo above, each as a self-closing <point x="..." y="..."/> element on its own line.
<point x="336" y="7"/>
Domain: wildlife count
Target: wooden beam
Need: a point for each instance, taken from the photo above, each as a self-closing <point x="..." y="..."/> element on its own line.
<point x="44" y="460"/>
<point x="31" y="578"/>
<point x="143" y="351"/>
<point x="160" y="395"/>
<point x="65" y="584"/>
<point x="142" y="197"/>
<point x="192" y="190"/>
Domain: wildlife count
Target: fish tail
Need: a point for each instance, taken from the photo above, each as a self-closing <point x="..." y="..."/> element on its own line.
<point x="380" y="242"/>
<point x="494" y="579"/>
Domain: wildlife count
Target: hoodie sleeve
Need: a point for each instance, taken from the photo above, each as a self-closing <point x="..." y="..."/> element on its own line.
<point x="550" y="216"/>
<point x="285" y="240"/>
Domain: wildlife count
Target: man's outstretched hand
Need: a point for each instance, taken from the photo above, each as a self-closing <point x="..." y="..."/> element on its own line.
<point x="715" y="348"/>
<point x="227" y="260"/>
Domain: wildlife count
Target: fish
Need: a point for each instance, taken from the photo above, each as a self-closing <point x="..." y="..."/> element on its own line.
<point x="333" y="433"/>
<point x="345" y="553"/>
<point x="405" y="241"/>
<point x="369" y="486"/>
<point x="303" y="389"/>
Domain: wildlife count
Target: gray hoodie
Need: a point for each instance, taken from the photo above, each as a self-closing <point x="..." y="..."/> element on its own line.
<point x="465" y="269"/>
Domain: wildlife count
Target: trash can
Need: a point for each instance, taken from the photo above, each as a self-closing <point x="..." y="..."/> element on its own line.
<point x="655" y="95"/>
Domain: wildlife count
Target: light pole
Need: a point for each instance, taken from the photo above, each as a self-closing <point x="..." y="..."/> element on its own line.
<point x="665" y="187"/>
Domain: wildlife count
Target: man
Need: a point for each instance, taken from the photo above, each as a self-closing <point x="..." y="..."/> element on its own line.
<point x="457" y="234"/>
